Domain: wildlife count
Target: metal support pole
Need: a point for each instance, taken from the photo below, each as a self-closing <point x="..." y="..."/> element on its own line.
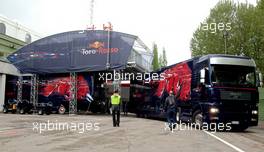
<point x="73" y="93"/>
<point x="91" y="11"/>
<point x="225" y="46"/>
<point x="19" y="89"/>
<point x="225" y="37"/>
<point x="108" y="47"/>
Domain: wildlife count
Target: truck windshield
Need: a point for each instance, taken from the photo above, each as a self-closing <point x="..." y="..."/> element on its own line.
<point x="235" y="76"/>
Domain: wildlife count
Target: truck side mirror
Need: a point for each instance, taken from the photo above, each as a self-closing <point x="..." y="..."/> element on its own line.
<point x="202" y="76"/>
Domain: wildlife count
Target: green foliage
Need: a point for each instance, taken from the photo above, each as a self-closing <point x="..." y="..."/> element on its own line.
<point x="163" y="59"/>
<point x="160" y="61"/>
<point x="261" y="104"/>
<point x="246" y="36"/>
<point x="155" y="61"/>
<point x="261" y="110"/>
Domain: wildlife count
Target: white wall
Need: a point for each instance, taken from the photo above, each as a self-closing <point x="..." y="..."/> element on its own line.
<point x="18" y="31"/>
<point x="2" y="90"/>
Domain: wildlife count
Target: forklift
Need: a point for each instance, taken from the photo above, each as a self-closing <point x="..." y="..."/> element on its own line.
<point x="10" y="106"/>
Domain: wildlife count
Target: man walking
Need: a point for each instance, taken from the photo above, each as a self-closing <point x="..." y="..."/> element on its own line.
<point x="170" y="107"/>
<point x="115" y="101"/>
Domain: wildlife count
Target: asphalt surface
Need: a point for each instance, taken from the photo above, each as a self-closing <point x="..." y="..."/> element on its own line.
<point x="96" y="133"/>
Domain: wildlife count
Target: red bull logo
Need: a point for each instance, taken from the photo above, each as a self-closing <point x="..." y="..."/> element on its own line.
<point x="96" y="45"/>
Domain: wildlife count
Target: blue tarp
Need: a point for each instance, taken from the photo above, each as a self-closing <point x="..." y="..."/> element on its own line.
<point x="75" y="51"/>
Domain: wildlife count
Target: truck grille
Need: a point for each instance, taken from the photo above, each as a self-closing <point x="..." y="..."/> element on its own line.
<point x="237" y="96"/>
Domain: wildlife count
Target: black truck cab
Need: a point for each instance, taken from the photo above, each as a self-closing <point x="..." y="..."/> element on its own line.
<point x="224" y="90"/>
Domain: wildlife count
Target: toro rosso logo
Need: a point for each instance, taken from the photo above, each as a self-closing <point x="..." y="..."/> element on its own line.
<point x="98" y="47"/>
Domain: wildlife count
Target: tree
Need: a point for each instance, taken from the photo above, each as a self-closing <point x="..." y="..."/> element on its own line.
<point x="244" y="38"/>
<point x="161" y="61"/>
<point x="205" y="40"/>
<point x="259" y="41"/>
<point x="155" y="61"/>
<point x="163" y="58"/>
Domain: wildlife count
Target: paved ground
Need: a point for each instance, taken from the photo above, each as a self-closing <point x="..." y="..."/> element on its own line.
<point x="22" y="133"/>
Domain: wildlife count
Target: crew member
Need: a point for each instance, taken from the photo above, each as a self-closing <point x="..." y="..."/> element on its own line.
<point x="116" y="101"/>
<point x="170" y="108"/>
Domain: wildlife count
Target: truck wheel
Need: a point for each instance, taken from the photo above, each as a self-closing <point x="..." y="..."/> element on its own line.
<point x="239" y="128"/>
<point x="48" y="112"/>
<point x="198" y="118"/>
<point x="5" y="110"/>
<point x="62" y="110"/>
<point x="40" y="112"/>
<point x="94" y="110"/>
<point x="21" y="111"/>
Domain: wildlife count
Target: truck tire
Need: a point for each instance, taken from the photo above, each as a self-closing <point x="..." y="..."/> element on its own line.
<point x="48" y="112"/>
<point x="239" y="128"/>
<point x="14" y="111"/>
<point x="198" y="119"/>
<point x="94" y="110"/>
<point x="61" y="110"/>
<point x="146" y="115"/>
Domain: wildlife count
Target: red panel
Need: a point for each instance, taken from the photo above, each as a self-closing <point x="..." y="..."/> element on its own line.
<point x="177" y="79"/>
<point x="61" y="85"/>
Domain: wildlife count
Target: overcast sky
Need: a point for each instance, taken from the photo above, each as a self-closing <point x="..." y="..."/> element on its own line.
<point x="169" y="23"/>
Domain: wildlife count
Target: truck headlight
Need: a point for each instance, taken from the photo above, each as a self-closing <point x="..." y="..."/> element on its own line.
<point x="214" y="110"/>
<point x="254" y="112"/>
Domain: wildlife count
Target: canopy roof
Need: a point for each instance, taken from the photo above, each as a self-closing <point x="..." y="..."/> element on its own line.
<point x="75" y="51"/>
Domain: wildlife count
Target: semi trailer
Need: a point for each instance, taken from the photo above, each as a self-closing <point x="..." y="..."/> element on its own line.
<point x="208" y="89"/>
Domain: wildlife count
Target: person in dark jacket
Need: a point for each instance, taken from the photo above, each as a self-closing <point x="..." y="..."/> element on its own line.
<point x="170" y="108"/>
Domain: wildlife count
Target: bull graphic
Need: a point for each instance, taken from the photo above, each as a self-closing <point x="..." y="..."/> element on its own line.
<point x="61" y="86"/>
<point x="177" y="79"/>
<point x="96" y="45"/>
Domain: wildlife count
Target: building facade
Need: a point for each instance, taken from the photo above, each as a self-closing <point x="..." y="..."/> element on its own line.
<point x="12" y="37"/>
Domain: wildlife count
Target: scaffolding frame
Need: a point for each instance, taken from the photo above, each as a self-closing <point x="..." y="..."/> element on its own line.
<point x="34" y="90"/>
<point x="19" y="89"/>
<point x="73" y="94"/>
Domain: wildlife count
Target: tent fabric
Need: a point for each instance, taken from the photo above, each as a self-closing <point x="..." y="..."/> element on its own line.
<point x="75" y="51"/>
